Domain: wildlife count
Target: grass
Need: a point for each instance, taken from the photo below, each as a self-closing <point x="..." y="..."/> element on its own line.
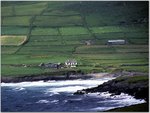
<point x="34" y="58"/>
<point x="55" y="21"/>
<point x="24" y="71"/>
<point x="112" y="49"/>
<point x="44" y="38"/>
<point x="19" y="71"/>
<point x="139" y="41"/>
<point x="106" y="29"/>
<point x="136" y="68"/>
<point x="43" y="43"/>
<point x="113" y="56"/>
<point x="119" y="62"/>
<point x="44" y="31"/>
<point x="116" y="29"/>
<point x="6" y="11"/>
<point x="45" y="49"/>
<point x="123" y="35"/>
<point x="77" y="37"/>
<point x="60" y="12"/>
<point x="16" y="21"/>
<point x="132" y="79"/>
<point x="13" y="40"/>
<point x="73" y="42"/>
<point x="73" y="31"/>
<point x="95" y="49"/>
<point x="138" y="78"/>
<point x="30" y="9"/>
<point x="11" y="30"/>
<point x="8" y="49"/>
<point x="101" y="18"/>
<point x="110" y="65"/>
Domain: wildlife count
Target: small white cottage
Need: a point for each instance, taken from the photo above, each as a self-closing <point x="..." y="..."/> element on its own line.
<point x="71" y="63"/>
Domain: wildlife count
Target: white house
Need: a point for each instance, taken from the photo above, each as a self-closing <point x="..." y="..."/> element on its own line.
<point x="71" y="63"/>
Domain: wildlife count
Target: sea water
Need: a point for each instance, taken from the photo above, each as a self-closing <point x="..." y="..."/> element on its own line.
<point x="57" y="96"/>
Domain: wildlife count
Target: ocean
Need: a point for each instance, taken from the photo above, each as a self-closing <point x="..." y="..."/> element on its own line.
<point x="57" y="96"/>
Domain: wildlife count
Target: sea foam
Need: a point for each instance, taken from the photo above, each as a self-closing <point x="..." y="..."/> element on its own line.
<point x="90" y="82"/>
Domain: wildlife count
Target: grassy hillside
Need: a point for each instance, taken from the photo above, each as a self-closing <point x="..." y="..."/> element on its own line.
<point x="56" y="31"/>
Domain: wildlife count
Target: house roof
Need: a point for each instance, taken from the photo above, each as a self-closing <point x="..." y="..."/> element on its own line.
<point x="116" y="40"/>
<point x="71" y="61"/>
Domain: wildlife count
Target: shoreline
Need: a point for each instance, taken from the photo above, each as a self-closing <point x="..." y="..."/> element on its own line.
<point x="42" y="77"/>
<point x="67" y="76"/>
<point x="52" y="77"/>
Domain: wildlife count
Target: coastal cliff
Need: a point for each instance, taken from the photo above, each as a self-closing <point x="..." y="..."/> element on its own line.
<point x="136" y="86"/>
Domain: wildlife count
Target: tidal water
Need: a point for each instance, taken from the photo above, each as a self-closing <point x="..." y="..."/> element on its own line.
<point x="57" y="96"/>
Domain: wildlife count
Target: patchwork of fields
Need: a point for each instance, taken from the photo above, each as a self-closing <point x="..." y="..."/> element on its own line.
<point x="58" y="31"/>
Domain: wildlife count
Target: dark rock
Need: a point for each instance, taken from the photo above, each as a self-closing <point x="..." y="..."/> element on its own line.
<point x="80" y="92"/>
<point x="137" y="89"/>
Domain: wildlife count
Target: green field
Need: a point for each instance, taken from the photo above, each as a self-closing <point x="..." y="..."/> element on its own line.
<point x="55" y="21"/>
<point x="60" y="12"/>
<point x="116" y="29"/>
<point x="30" y="9"/>
<point x="12" y="40"/>
<point x="58" y="31"/>
<point x="45" y="49"/>
<point x="77" y="37"/>
<point x="19" y="70"/>
<point x="44" y="31"/>
<point x="73" y="31"/>
<point x="11" y="30"/>
<point x="16" y="21"/>
<point x="44" y="38"/>
<point x="9" y="49"/>
<point x="114" y="49"/>
<point x="7" y="11"/>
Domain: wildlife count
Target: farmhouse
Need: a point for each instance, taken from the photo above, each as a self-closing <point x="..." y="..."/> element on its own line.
<point x="116" y="42"/>
<point x="71" y="63"/>
<point x="51" y="65"/>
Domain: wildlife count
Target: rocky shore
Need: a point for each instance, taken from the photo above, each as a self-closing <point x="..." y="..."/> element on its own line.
<point x="135" y="85"/>
<point x="56" y="76"/>
<point x="62" y="75"/>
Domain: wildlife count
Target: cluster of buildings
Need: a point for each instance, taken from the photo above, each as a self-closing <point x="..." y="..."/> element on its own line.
<point x="72" y="62"/>
<point x="68" y="64"/>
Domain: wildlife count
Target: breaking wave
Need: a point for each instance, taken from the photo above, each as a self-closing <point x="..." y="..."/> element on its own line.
<point x="58" y="86"/>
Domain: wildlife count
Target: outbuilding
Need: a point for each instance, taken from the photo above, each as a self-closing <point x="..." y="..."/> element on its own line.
<point x="116" y="42"/>
<point x="51" y="65"/>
